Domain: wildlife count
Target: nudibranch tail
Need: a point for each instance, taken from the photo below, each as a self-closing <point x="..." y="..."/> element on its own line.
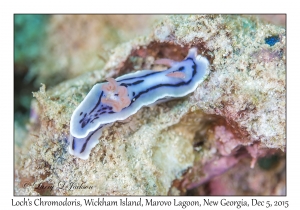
<point x="122" y="97"/>
<point x="81" y="147"/>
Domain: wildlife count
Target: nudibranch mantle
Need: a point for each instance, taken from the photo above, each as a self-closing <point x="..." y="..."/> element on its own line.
<point x="122" y="97"/>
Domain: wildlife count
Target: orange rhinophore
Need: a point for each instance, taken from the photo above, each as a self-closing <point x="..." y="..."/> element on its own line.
<point x="177" y="74"/>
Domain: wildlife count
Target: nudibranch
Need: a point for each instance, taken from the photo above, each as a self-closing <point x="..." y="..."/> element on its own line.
<point x="122" y="97"/>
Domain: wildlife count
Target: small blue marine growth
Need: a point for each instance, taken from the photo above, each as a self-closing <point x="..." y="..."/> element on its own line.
<point x="272" y="40"/>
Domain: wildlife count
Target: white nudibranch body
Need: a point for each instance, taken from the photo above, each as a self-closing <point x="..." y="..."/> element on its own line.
<point x="122" y="97"/>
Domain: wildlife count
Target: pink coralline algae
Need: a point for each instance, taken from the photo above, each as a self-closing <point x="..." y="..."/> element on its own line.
<point x="268" y="55"/>
<point x="226" y="140"/>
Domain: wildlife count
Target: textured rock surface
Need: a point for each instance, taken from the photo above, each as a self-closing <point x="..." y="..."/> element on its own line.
<point x="87" y="40"/>
<point x="50" y="49"/>
<point x="237" y="115"/>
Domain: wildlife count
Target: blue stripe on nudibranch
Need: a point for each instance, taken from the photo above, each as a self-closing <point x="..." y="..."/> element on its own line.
<point x="124" y="96"/>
